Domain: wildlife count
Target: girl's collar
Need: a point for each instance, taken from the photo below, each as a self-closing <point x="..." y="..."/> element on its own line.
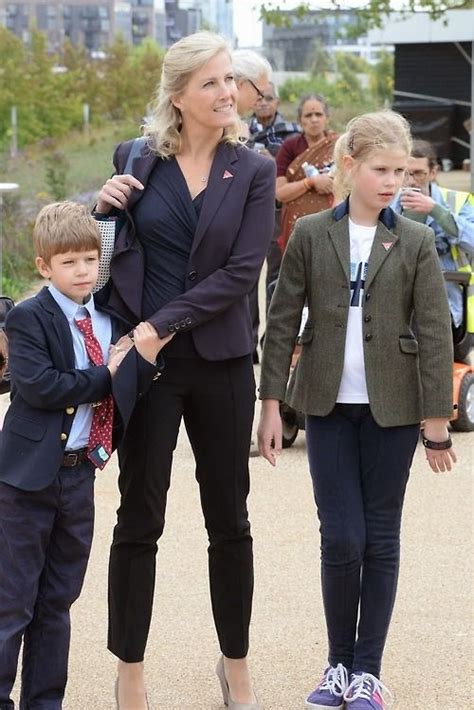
<point x="386" y="216"/>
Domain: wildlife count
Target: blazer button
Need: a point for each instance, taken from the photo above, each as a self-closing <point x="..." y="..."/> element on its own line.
<point x="188" y="320"/>
<point x="177" y="326"/>
<point x="367" y="319"/>
<point x="367" y="296"/>
<point x="69" y="410"/>
<point x="192" y="276"/>
<point x="183" y="323"/>
<point x="368" y="337"/>
<point x="63" y="437"/>
<point x="171" y="328"/>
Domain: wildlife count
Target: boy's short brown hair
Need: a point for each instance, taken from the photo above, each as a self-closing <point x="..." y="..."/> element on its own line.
<point x="64" y="226"/>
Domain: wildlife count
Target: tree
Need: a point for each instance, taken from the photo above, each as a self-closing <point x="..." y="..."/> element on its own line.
<point x="381" y="78"/>
<point x="372" y="14"/>
<point x="321" y="62"/>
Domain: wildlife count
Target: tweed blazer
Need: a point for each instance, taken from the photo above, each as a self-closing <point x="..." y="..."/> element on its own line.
<point x="408" y="367"/>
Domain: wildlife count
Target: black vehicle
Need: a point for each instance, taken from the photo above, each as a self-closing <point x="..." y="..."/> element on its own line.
<point x="6" y="304"/>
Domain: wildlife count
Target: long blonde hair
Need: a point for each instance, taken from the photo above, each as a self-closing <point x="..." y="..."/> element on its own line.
<point x="180" y="61"/>
<point x="364" y="135"/>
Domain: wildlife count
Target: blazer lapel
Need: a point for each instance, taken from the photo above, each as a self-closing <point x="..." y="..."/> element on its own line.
<point x="222" y="175"/>
<point x="339" y="233"/>
<point x="60" y="326"/>
<point x="384" y="242"/>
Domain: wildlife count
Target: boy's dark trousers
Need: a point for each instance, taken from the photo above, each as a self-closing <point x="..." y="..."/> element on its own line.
<point x="45" y="540"/>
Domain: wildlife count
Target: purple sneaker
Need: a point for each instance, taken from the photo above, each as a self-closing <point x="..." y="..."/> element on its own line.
<point x="366" y="692"/>
<point x="329" y="693"/>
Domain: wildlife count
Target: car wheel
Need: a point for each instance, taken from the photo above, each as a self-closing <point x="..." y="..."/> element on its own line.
<point x="289" y="426"/>
<point x="465" y="418"/>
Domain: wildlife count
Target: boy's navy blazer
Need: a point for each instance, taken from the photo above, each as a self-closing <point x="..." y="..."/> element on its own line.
<point x="231" y="241"/>
<point x="47" y="388"/>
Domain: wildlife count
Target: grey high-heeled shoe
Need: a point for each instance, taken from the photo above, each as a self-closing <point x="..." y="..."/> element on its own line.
<point x="117" y="696"/>
<point x="231" y="705"/>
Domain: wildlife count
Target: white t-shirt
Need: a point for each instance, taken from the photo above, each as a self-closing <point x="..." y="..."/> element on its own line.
<point x="353" y="387"/>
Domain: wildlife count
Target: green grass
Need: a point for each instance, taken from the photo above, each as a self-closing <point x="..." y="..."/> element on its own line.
<point x="88" y="158"/>
<point x="87" y="161"/>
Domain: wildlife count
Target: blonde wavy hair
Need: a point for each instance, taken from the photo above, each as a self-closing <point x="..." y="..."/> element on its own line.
<point x="364" y="135"/>
<point x="182" y="59"/>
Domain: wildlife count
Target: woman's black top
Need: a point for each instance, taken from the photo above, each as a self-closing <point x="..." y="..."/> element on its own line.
<point x="166" y="218"/>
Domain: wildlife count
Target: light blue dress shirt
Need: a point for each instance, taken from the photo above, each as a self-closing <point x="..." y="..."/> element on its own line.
<point x="102" y="327"/>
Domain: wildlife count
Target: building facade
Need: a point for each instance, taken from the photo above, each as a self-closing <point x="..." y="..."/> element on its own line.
<point x="95" y="24"/>
<point x="291" y="48"/>
<point x="88" y="23"/>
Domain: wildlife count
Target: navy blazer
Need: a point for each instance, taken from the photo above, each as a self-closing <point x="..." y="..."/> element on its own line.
<point x="231" y="241"/>
<point x="47" y="388"/>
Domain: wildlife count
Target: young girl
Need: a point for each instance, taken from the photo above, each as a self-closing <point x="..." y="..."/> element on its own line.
<point x="376" y="360"/>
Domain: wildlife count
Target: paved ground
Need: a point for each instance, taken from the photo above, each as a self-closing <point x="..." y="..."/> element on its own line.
<point x="430" y="650"/>
<point x="455" y="180"/>
<point x="429" y="657"/>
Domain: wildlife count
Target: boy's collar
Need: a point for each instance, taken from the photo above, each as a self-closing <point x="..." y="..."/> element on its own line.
<point x="69" y="307"/>
<point x="386" y="216"/>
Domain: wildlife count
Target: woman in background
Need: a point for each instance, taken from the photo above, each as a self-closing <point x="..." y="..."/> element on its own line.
<point x="302" y="194"/>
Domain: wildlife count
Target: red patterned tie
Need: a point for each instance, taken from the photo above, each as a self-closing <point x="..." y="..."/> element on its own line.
<point x="99" y="448"/>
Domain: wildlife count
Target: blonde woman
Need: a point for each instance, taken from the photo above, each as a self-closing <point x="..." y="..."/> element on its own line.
<point x="199" y="218"/>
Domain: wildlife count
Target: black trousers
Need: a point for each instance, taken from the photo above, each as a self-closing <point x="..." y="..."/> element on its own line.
<point x="216" y="401"/>
<point x="360" y="472"/>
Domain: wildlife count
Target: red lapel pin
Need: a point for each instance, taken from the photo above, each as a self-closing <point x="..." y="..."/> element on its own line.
<point x="387" y="245"/>
<point x="226" y="175"/>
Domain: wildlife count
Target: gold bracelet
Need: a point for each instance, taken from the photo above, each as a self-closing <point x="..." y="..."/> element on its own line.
<point x="306" y="184"/>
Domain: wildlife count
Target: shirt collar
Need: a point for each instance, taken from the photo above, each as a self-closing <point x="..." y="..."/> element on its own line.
<point x="70" y="308"/>
<point x="386" y="216"/>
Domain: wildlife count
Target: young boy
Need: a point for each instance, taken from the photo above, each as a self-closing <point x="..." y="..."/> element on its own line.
<point x="72" y="393"/>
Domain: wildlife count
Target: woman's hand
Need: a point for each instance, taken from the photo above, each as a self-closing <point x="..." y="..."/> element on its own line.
<point x="117" y="353"/>
<point x="270" y="431"/>
<point x="322" y="183"/>
<point x="116" y="192"/>
<point x="439" y="460"/>
<point x="147" y="341"/>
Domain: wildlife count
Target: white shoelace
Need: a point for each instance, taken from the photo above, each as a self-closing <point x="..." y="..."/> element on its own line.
<point x="364" y="685"/>
<point x="336" y="680"/>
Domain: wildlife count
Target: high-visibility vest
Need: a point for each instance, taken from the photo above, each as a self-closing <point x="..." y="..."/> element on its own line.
<point x="455" y="199"/>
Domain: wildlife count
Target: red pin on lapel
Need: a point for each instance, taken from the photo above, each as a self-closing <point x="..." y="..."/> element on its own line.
<point x="226" y="175"/>
<point x="387" y="245"/>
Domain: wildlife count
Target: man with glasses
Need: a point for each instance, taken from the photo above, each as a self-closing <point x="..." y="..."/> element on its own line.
<point x="267" y="126"/>
<point x="421" y="199"/>
<point x="267" y="131"/>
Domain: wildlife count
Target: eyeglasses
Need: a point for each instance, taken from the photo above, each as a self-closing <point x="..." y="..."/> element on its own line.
<point x="260" y="94"/>
<point x="266" y="97"/>
<point x="417" y="174"/>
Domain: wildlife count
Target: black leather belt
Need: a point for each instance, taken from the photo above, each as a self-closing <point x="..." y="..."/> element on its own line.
<point x="74" y="458"/>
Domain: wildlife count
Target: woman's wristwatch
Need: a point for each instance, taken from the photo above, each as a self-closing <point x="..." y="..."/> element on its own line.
<point x="437" y="445"/>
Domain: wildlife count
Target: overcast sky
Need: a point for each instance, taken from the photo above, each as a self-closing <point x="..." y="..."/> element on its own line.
<point x="246" y="25"/>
